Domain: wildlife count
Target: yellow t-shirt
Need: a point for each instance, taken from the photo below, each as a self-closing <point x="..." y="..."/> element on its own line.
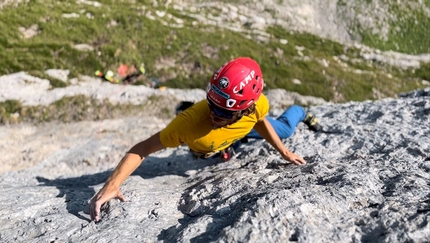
<point x="193" y="127"/>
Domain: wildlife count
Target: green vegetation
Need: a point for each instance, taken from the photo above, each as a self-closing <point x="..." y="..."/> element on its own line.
<point x="121" y="32"/>
<point x="409" y="32"/>
<point x="79" y="108"/>
<point x="55" y="83"/>
<point x="9" y="110"/>
<point x="423" y="72"/>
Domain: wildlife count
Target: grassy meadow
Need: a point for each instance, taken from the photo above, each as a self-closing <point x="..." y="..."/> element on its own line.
<point x="127" y="32"/>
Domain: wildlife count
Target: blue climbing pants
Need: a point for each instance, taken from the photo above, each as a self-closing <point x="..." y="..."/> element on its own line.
<point x="285" y="124"/>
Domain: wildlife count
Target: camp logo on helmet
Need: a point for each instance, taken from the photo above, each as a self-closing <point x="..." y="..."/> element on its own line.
<point x="223" y="82"/>
<point x="244" y="82"/>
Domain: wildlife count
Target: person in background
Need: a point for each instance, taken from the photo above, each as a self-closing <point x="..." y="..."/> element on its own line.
<point x="234" y="108"/>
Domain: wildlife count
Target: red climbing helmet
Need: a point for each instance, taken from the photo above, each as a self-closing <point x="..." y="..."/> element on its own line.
<point x="236" y="85"/>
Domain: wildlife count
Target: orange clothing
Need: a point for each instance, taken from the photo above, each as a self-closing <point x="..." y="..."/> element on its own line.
<point x="193" y="127"/>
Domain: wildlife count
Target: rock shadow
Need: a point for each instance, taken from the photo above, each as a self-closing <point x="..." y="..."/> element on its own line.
<point x="374" y="234"/>
<point x="222" y="218"/>
<point x="78" y="190"/>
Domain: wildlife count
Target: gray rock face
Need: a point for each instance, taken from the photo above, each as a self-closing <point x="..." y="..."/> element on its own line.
<point x="367" y="180"/>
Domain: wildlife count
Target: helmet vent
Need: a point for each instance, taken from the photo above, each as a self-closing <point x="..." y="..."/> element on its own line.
<point x="241" y="103"/>
<point x="253" y="87"/>
<point x="257" y="77"/>
<point x="240" y="92"/>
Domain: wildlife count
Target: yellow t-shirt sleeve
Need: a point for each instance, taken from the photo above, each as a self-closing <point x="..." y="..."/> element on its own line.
<point x="170" y="136"/>
<point x="262" y="107"/>
<point x="187" y="126"/>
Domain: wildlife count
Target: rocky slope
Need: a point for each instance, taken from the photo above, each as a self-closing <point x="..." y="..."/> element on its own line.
<point x="367" y="177"/>
<point x="367" y="180"/>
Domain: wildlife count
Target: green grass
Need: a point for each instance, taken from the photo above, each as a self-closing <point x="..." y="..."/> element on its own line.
<point x="79" y="108"/>
<point x="120" y="33"/>
<point x="409" y="33"/>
